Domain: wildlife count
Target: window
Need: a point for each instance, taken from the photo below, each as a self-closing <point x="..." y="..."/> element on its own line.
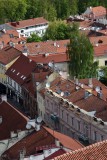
<point x="52" y="106"/>
<point x="78" y="122"/>
<point x="86" y="130"/>
<point x="101" y="137"/>
<point x="67" y="117"/>
<point x="72" y="120"/>
<point x="15" y="85"/>
<point x="62" y="114"/>
<point x="95" y="135"/>
<point x="105" y="63"/>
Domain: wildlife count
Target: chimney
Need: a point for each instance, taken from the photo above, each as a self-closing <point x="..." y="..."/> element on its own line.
<point x="1" y="119"/>
<point x="99" y="94"/>
<point x="1" y="45"/>
<point x="4" y="30"/>
<point x="76" y="81"/>
<point x="57" y="142"/>
<point x="14" y="24"/>
<point x="17" y="23"/>
<point x="4" y="97"/>
<point x="55" y="44"/>
<point x="25" y="50"/>
<point x="46" y="153"/>
<point x="90" y="84"/>
<point x="19" y="34"/>
<point x="86" y="94"/>
<point x="22" y="154"/>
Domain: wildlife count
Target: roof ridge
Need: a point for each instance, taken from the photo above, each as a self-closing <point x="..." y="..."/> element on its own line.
<point x="82" y="149"/>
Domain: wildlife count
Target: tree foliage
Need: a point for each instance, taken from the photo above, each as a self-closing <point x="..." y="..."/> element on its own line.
<point x="14" y="10"/>
<point x="34" y="38"/>
<point x="59" y="30"/>
<point x="81" y="54"/>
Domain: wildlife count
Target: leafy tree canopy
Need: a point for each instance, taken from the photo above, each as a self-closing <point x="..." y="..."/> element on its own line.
<point x="81" y="54"/>
<point x="59" y="30"/>
<point x="34" y="38"/>
<point x="12" y="10"/>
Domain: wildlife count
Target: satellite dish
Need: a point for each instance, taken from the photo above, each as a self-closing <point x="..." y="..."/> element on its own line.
<point x="47" y="85"/>
<point x="61" y="73"/>
<point x="39" y="119"/>
<point x="37" y="83"/>
<point x="97" y="89"/>
<point x="62" y="94"/>
<point x="50" y="64"/>
<point x="32" y="157"/>
<point x="28" y="126"/>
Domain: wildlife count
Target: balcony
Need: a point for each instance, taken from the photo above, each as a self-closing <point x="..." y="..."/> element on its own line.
<point x="84" y="139"/>
<point x="55" y="118"/>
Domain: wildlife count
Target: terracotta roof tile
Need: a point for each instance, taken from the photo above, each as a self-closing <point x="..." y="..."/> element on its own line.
<point x="99" y="11"/>
<point x="28" y="22"/>
<point x="97" y="151"/>
<point x="38" y="76"/>
<point x="100" y="50"/>
<point x="36" y="140"/>
<point x="11" y="36"/>
<point x="56" y="58"/>
<point x="95" y="83"/>
<point x="100" y="40"/>
<point x="12" y="120"/>
<point x="77" y="97"/>
<point x="8" y="54"/>
<point x="65" y="140"/>
<point x="51" y="47"/>
<point x="21" y="69"/>
<point x="44" y="52"/>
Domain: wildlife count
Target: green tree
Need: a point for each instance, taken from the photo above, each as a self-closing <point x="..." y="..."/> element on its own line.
<point x="59" y="30"/>
<point x="12" y="10"/>
<point x="34" y="38"/>
<point x="81" y="54"/>
<point x="32" y="9"/>
<point x="66" y="8"/>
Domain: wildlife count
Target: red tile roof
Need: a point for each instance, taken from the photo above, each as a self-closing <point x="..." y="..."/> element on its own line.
<point x="56" y="58"/>
<point x="36" y="140"/>
<point x="39" y="75"/>
<point x="100" y="50"/>
<point x="11" y="36"/>
<point x="8" y="54"/>
<point x="12" y="120"/>
<point x="65" y="140"/>
<point x="22" y="67"/>
<point x="95" y="84"/>
<point x="100" y="40"/>
<point x="99" y="11"/>
<point x="51" y="47"/>
<point x="57" y="153"/>
<point x="97" y="151"/>
<point x="28" y="22"/>
<point x="44" y="52"/>
<point x="77" y="97"/>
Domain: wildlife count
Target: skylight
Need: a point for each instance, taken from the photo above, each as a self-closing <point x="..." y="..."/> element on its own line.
<point x="22" y="76"/>
<point x="18" y="73"/>
<point x="14" y="70"/>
